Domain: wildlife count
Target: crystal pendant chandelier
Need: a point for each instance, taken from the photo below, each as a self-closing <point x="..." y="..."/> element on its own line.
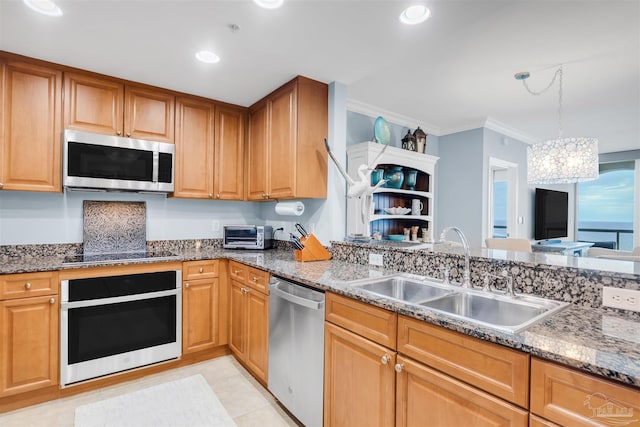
<point x="561" y="160"/>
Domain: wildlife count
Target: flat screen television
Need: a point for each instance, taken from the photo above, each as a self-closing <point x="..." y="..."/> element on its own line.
<point x="551" y="214"/>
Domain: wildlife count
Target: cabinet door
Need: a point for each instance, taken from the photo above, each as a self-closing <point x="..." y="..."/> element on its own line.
<point x="194" y="149"/>
<point x="93" y="104"/>
<point x="229" y="153"/>
<point x="257" y="334"/>
<point x="200" y="307"/>
<point x="31" y="116"/>
<point x="237" y="319"/>
<point x="257" y="152"/>
<point x="148" y="114"/>
<point x="282" y="164"/>
<point x="427" y="397"/>
<point x="359" y="389"/>
<point x="28" y="344"/>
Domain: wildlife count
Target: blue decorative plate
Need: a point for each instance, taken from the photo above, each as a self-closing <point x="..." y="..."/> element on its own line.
<point x="396" y="237"/>
<point x="381" y="132"/>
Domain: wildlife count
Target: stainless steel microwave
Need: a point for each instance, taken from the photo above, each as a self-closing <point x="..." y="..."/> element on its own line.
<point x="248" y="236"/>
<point x="107" y="162"/>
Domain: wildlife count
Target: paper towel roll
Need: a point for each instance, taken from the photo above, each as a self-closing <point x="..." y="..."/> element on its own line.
<point x="290" y="208"/>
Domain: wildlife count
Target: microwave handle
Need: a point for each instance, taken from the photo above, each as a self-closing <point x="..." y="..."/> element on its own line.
<point x="156" y="165"/>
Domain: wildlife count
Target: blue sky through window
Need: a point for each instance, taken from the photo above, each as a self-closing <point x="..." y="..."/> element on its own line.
<point x="607" y="199"/>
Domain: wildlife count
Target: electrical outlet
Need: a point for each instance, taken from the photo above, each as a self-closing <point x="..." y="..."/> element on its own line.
<point x="215" y="225"/>
<point x="626" y="299"/>
<point x="375" y="259"/>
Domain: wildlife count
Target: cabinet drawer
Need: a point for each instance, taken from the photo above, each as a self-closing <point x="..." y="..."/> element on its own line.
<point x="569" y="397"/>
<point x="540" y="422"/>
<point x="258" y="279"/>
<point x="200" y="269"/>
<point x="427" y="397"/>
<point x="28" y="285"/>
<point x="498" y="370"/>
<point x="374" y="323"/>
<point x="238" y="271"/>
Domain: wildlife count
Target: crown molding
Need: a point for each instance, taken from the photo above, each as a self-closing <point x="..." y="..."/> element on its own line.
<point x="391" y="117"/>
<point x="497" y="126"/>
<point x="431" y="129"/>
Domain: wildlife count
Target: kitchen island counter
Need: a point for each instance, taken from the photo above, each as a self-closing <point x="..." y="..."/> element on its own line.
<point x="600" y="341"/>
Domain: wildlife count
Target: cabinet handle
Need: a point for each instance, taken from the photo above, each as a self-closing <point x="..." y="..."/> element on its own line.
<point x="236" y="271"/>
<point x="186" y="285"/>
<point x="211" y="195"/>
<point x="385" y="359"/>
<point x="201" y="270"/>
<point x="128" y="135"/>
<point x="254" y="279"/>
<point x="52" y="300"/>
<point x="399" y="367"/>
<point x="118" y="133"/>
<point x="27" y="285"/>
<point x="218" y="196"/>
<point x="1" y="185"/>
<point x="245" y="290"/>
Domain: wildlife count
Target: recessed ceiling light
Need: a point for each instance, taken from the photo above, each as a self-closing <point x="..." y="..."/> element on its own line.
<point x="207" y="57"/>
<point x="269" y="4"/>
<point x="45" y="7"/>
<point x="415" y="14"/>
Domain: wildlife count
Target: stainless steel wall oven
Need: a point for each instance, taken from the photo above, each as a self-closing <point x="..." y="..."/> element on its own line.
<point x="111" y="324"/>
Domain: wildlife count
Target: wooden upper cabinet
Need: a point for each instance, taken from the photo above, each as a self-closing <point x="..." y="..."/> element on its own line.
<point x="194" y="148"/>
<point x="148" y="113"/>
<point x="286" y="153"/>
<point x="282" y="147"/>
<point x="31" y="134"/>
<point x="104" y="105"/>
<point x="257" y="151"/>
<point x="229" y="127"/>
<point x="93" y="104"/>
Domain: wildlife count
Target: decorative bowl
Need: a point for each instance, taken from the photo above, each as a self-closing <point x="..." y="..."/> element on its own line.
<point x="396" y="237"/>
<point x="397" y="211"/>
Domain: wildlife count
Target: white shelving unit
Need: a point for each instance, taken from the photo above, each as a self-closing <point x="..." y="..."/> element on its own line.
<point x="364" y="153"/>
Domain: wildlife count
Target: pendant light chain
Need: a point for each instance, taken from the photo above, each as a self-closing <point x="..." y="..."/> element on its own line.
<point x="557" y="74"/>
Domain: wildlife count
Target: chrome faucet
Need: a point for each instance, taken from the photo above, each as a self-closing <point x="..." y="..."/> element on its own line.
<point x="466" y="282"/>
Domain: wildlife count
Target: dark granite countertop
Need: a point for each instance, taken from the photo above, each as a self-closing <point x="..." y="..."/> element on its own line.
<point x="601" y="341"/>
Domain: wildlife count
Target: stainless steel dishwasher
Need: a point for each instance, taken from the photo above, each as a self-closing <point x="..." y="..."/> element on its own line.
<point x="296" y="349"/>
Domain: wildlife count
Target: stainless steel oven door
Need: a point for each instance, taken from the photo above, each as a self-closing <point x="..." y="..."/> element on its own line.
<point x="108" y="335"/>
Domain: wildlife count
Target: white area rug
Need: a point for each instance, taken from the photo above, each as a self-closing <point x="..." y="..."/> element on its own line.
<point x="188" y="402"/>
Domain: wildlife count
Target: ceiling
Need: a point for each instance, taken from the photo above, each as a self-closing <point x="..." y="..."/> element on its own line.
<point x="450" y="73"/>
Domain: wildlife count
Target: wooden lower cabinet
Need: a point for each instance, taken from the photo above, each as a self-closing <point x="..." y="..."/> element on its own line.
<point x="200" y="305"/>
<point x="569" y="397"/>
<point x="426" y="397"/>
<point x="29" y="344"/>
<point x="359" y="384"/>
<point x="249" y="328"/>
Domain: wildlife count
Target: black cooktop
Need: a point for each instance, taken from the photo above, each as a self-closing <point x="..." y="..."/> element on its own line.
<point x="105" y="258"/>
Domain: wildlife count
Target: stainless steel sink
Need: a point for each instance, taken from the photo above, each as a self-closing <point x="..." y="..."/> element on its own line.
<point x="504" y="313"/>
<point x="402" y="288"/>
<point x="497" y="311"/>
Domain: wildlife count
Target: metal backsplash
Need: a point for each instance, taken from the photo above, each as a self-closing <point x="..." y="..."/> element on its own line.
<point x="111" y="227"/>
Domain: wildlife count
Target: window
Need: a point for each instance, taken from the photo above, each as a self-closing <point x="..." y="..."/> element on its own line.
<point x="500" y="208"/>
<point x="605" y="207"/>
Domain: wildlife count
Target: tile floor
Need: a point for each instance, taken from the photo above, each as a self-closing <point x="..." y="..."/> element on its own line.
<point x="246" y="401"/>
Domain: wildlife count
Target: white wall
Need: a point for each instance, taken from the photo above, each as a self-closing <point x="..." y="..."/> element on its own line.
<point x="30" y="217"/>
<point x="459" y="184"/>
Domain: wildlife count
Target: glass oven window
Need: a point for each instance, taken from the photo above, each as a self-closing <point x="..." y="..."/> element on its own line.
<point x="106" y="330"/>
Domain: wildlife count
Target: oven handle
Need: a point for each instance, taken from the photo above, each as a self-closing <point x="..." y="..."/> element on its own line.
<point x="115" y="300"/>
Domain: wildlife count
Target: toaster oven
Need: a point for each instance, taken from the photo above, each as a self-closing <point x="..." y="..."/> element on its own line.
<point x="248" y="237"/>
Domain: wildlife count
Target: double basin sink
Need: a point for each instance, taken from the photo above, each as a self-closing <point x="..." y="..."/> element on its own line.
<point x="502" y="312"/>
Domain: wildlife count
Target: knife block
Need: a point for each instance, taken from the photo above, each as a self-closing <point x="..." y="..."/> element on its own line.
<point x="313" y="250"/>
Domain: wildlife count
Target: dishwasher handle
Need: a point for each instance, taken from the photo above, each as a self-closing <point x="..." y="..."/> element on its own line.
<point x="308" y="303"/>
